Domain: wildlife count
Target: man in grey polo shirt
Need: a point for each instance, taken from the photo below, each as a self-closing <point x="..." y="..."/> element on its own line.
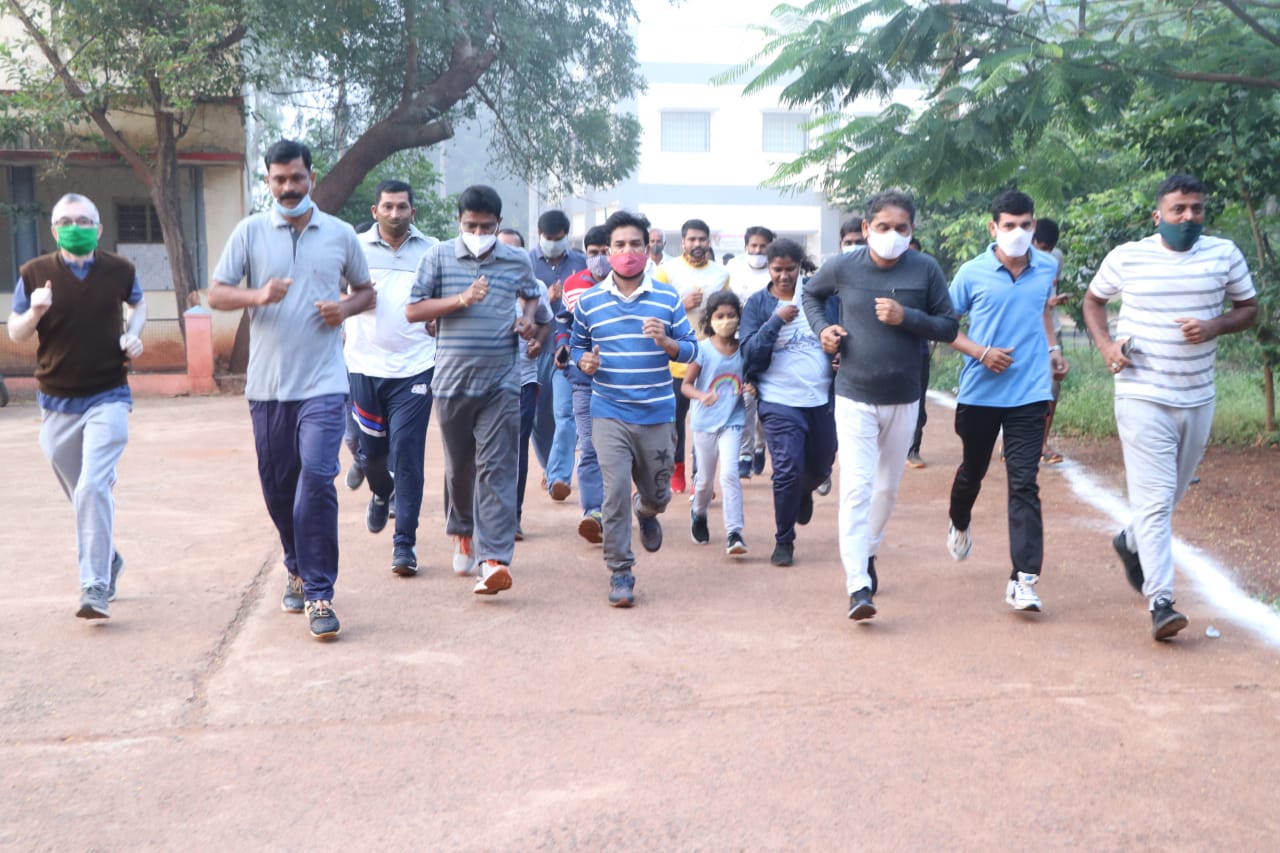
<point x="469" y="286"/>
<point x="295" y="258"/>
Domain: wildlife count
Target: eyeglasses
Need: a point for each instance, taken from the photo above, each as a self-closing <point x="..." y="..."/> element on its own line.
<point x="82" y="221"/>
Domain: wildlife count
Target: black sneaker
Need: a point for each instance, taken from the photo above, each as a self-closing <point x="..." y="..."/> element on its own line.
<point x="293" y="601"/>
<point x="1165" y="621"/>
<point x="871" y="570"/>
<point x="860" y="606"/>
<point x="757" y="463"/>
<point x="324" y="622"/>
<point x="744" y="468"/>
<point x="735" y="545"/>
<point x="698" y="528"/>
<point x="93" y="603"/>
<point x="375" y="517"/>
<point x="404" y="561"/>
<point x="650" y="527"/>
<point x="117" y="566"/>
<point x="622" y="589"/>
<point x="805" y="514"/>
<point x="1132" y="565"/>
<point x="783" y="553"/>
<point x="355" y="477"/>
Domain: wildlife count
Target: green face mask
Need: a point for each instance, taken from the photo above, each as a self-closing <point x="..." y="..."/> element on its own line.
<point x="1180" y="236"/>
<point x="79" y="240"/>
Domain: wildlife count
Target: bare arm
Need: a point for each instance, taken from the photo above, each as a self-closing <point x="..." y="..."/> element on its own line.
<point x="1095" y="320"/>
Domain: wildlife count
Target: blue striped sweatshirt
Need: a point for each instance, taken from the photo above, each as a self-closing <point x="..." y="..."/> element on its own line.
<point x="633" y="383"/>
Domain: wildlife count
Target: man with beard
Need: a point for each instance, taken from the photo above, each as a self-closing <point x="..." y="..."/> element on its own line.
<point x="391" y="362"/>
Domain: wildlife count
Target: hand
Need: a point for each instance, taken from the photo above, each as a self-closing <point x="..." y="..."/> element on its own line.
<point x="889" y="311"/>
<point x="535" y="348"/>
<point x="274" y="291"/>
<point x="831" y="338"/>
<point x="1113" y="357"/>
<point x="476" y="292"/>
<point x="42" y="299"/>
<point x="1197" y="331"/>
<point x="787" y="312"/>
<point x="1058" y="366"/>
<point x="590" y="362"/>
<point x="1060" y="299"/>
<point x="555" y="291"/>
<point x="330" y="312"/>
<point x="524" y="328"/>
<point x="656" y="329"/>
<point x="997" y="359"/>
<point x="430" y="327"/>
<point x="131" y="344"/>
<point x="710" y="398"/>
<point x="748" y="388"/>
<point x="693" y="299"/>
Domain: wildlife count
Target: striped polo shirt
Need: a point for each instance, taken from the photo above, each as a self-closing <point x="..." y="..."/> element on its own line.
<point x="475" y="346"/>
<point x="1157" y="286"/>
<point x="633" y="383"/>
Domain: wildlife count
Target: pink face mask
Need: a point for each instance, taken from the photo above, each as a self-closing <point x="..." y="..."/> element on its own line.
<point x="628" y="264"/>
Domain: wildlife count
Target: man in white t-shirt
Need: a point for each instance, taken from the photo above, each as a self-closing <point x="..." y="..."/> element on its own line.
<point x="1172" y="286"/>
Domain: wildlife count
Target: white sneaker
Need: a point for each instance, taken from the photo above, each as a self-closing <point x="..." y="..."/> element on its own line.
<point x="959" y="543"/>
<point x="494" y="577"/>
<point x="464" y="556"/>
<point x="1021" y="594"/>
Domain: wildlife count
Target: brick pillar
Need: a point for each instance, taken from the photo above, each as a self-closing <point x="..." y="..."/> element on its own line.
<point x="199" y="323"/>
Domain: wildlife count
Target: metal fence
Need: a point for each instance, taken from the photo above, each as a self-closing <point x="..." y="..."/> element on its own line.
<point x="164" y="351"/>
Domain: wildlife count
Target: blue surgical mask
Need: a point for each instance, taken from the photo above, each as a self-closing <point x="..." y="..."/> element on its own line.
<point x="304" y="206"/>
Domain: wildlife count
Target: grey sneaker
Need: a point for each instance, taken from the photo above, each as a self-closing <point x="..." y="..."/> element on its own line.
<point x="375" y="517"/>
<point x="323" y="621"/>
<point x="959" y="543"/>
<point x="650" y="527"/>
<point x="622" y="589"/>
<point x="355" y="477"/>
<point x="93" y="603"/>
<point x="293" y="601"/>
<point x="117" y="566"/>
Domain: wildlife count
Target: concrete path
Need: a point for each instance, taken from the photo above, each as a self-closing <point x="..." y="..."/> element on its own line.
<point x="735" y="707"/>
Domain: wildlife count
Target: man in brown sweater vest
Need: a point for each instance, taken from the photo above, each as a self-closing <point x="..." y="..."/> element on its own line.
<point x="86" y="307"/>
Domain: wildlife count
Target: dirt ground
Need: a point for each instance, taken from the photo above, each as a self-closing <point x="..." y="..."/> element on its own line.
<point x="1233" y="512"/>
<point x="736" y="707"/>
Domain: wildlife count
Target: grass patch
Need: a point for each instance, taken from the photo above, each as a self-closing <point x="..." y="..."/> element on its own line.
<point x="1086" y="408"/>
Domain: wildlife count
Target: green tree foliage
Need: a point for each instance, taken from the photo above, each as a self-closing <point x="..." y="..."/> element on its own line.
<point x="393" y="75"/>
<point x="437" y="214"/>
<point x="100" y="59"/>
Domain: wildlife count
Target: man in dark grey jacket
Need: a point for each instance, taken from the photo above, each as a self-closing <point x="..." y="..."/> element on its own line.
<point x="890" y="298"/>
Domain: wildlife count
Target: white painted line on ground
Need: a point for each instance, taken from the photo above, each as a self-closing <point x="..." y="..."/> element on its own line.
<point x="1210" y="578"/>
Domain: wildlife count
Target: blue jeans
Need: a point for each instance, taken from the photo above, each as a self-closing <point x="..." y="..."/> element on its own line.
<point x="297" y="443"/>
<point x="590" y="481"/>
<point x="802" y="444"/>
<point x="528" y="407"/>
<point x="544" y="421"/>
<point x="396" y="413"/>
<point x="560" y="461"/>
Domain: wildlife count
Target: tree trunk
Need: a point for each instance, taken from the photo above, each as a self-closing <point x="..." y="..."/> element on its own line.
<point x="165" y="191"/>
<point x="392" y="134"/>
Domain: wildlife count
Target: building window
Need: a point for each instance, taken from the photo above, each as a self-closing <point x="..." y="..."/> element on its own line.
<point x="138" y="223"/>
<point x="784" y="133"/>
<point x="686" y="131"/>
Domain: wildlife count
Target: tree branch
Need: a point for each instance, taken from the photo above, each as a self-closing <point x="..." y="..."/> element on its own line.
<point x="1251" y="22"/>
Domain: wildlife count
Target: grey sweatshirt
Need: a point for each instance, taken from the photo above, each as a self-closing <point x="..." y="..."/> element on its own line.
<point x="880" y="364"/>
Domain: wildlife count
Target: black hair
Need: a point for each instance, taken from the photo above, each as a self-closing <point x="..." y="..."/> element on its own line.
<point x="596" y="236"/>
<point x="786" y="248"/>
<point x="286" y="151"/>
<point x="694" y="225"/>
<point x="478" y="198"/>
<point x="519" y="236"/>
<point x="624" y="219"/>
<point x="364" y="226"/>
<point x="1012" y="202"/>
<point x="1180" y="183"/>
<point x="714" y="301"/>
<point x="913" y="243"/>
<point x="392" y="186"/>
<point x="728" y="256"/>
<point x="553" y="222"/>
<point x="758" y="231"/>
<point x="891" y="198"/>
<point x="852" y="225"/>
<point x="1046" y="232"/>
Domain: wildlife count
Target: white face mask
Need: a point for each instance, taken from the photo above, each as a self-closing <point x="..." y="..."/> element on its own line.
<point x="1014" y="243"/>
<point x="553" y="248"/>
<point x="757" y="262"/>
<point x="851" y="248"/>
<point x="888" y="244"/>
<point x="478" y="244"/>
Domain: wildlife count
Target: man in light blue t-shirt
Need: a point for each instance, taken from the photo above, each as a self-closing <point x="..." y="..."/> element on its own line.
<point x="1005" y="383"/>
<point x="294" y="259"/>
